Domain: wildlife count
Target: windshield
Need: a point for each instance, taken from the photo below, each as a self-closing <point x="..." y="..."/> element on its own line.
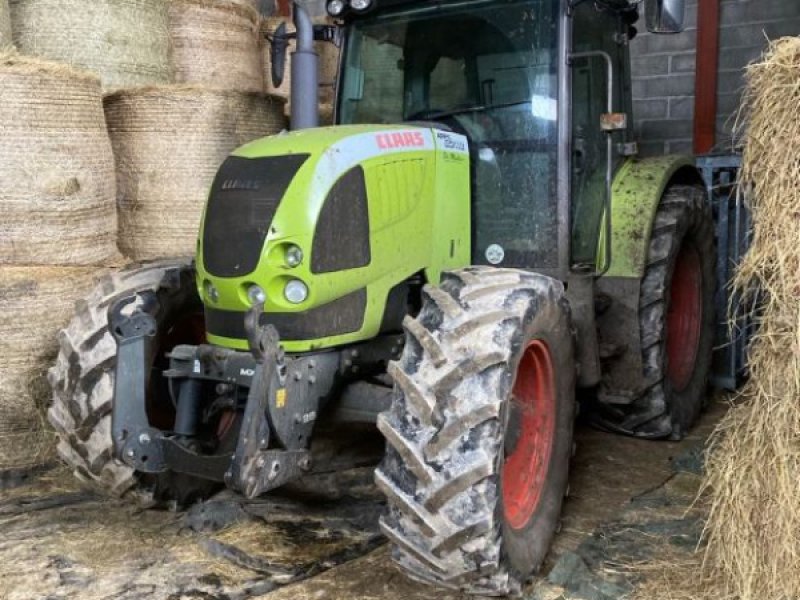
<point x="486" y="69"/>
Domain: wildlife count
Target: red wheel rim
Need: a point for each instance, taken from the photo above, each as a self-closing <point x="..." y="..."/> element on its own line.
<point x="684" y="318"/>
<point x="533" y="416"/>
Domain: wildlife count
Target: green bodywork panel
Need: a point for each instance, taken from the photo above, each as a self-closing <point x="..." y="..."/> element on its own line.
<point x="419" y="217"/>
<point x="636" y="192"/>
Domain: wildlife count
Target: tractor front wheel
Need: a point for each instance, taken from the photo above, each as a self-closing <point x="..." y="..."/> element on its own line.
<point x="480" y="430"/>
<point x="83" y="381"/>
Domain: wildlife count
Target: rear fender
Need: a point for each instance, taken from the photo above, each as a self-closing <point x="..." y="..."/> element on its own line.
<point x="636" y="192"/>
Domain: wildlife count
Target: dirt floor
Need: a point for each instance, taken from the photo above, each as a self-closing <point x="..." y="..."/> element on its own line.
<point x="631" y="501"/>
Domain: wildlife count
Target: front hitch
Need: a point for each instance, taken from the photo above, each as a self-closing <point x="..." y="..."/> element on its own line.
<point x="283" y="401"/>
<point x="136" y="443"/>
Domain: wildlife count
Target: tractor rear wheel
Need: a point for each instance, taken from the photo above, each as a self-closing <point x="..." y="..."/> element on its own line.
<point x="83" y="381"/>
<point x="676" y="321"/>
<point x="480" y="430"/>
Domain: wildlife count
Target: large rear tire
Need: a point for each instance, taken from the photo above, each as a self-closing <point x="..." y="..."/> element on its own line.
<point x="83" y="380"/>
<point x="480" y="430"/>
<point x="676" y="321"/>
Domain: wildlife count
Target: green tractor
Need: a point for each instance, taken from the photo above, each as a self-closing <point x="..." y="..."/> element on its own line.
<point x="473" y="242"/>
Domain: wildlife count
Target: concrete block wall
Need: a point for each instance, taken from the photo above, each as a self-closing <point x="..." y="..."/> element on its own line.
<point x="664" y="65"/>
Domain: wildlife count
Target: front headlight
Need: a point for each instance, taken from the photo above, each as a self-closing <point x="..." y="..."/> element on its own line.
<point x="211" y="292"/>
<point x="296" y="291"/>
<point x="335" y="7"/>
<point x="256" y="295"/>
<point x="360" y="5"/>
<point x="294" y="256"/>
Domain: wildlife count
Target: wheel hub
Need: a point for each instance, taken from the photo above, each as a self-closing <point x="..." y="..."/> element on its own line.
<point x="684" y="318"/>
<point x="532" y="428"/>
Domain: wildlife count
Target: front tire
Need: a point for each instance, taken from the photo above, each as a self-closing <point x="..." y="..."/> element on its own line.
<point x="480" y="430"/>
<point x="82" y="381"/>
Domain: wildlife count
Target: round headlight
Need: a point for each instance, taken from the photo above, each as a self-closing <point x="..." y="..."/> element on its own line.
<point x="360" y="5"/>
<point x="211" y="292"/>
<point x="294" y="256"/>
<point x="335" y="7"/>
<point x="296" y="291"/>
<point x="256" y="295"/>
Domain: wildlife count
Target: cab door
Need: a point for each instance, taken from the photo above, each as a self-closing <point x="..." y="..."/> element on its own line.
<point x="597" y="39"/>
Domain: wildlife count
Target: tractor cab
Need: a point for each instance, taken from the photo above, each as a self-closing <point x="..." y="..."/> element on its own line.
<point x="528" y="87"/>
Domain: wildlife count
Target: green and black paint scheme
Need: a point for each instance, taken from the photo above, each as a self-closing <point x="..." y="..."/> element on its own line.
<point x="357" y="203"/>
<point x="316" y="243"/>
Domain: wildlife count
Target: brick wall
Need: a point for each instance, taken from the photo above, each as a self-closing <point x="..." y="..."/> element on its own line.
<point x="663" y="70"/>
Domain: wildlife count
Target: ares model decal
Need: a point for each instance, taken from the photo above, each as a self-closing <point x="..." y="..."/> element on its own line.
<point x="452" y="142"/>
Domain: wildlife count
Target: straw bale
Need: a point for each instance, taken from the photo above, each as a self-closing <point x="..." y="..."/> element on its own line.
<point x="5" y="24"/>
<point x="125" y="42"/>
<point x="754" y="461"/>
<point x="57" y="185"/>
<point x="325" y="115"/>
<point x="168" y="144"/>
<point x="35" y="302"/>
<point x="215" y="43"/>
<point x="328" y="62"/>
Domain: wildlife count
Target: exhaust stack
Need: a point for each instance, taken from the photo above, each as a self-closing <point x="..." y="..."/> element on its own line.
<point x="305" y="73"/>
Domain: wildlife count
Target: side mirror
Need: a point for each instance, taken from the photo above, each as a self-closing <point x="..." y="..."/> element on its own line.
<point x="665" y="16"/>
<point x="280" y="42"/>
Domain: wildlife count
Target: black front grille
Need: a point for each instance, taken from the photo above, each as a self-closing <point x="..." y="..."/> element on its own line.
<point x="244" y="197"/>
<point x="342" y="316"/>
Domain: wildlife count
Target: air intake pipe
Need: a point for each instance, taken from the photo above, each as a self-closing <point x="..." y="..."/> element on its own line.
<point x="305" y="73"/>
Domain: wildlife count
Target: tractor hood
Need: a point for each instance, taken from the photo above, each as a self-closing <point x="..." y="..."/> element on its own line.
<point x="342" y="214"/>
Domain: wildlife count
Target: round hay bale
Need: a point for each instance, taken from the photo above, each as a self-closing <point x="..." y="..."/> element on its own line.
<point x="215" y="43"/>
<point x="57" y="185"/>
<point x="325" y="115"/>
<point x="328" y="62"/>
<point x="125" y="42"/>
<point x="5" y="24"/>
<point x="168" y="144"/>
<point x="35" y="302"/>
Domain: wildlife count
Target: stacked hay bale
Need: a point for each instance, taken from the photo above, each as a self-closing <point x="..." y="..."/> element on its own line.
<point x="754" y="461"/>
<point x="125" y="42"/>
<point x="57" y="225"/>
<point x="328" y="67"/>
<point x="169" y="141"/>
<point x="215" y="43"/>
<point x="5" y="24"/>
<point x="35" y="301"/>
<point x="168" y="144"/>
